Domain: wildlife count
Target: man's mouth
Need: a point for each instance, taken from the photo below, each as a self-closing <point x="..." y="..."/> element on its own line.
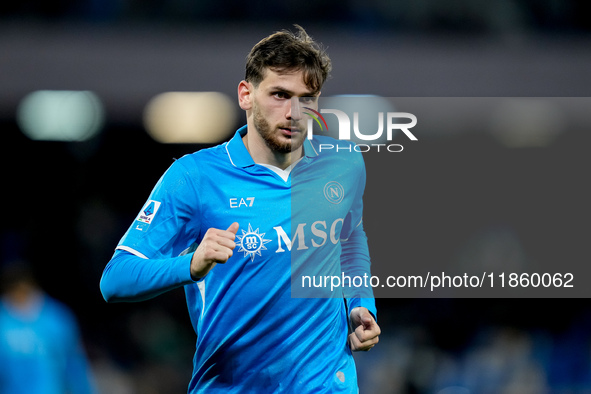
<point x="289" y="131"/>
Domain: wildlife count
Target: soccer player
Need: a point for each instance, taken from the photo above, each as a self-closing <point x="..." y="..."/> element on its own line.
<point x="236" y="223"/>
<point x="41" y="349"/>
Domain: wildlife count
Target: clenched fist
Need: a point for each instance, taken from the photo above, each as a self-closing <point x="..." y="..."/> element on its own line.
<point x="216" y="247"/>
<point x="366" y="331"/>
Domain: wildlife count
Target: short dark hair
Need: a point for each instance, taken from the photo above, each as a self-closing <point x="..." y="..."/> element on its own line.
<point x="288" y="51"/>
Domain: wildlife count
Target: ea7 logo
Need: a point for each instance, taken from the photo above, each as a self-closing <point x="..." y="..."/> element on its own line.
<point x="241" y="202"/>
<point x="345" y="125"/>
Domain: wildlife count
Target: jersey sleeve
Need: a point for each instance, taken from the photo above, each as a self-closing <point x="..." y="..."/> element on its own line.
<point x="355" y="259"/>
<point x="168" y="223"/>
<point x="355" y="262"/>
<point x="149" y="259"/>
<point x="129" y="278"/>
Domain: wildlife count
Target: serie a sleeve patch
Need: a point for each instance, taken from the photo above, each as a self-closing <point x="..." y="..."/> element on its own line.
<point x="146" y="215"/>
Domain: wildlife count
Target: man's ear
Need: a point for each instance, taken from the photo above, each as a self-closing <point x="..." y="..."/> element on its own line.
<point x="245" y="91"/>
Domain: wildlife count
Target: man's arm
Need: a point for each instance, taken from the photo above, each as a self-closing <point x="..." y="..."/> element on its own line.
<point x="128" y="277"/>
<point x="355" y="261"/>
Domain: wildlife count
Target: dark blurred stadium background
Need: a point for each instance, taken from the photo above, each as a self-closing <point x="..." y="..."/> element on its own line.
<point x="65" y="204"/>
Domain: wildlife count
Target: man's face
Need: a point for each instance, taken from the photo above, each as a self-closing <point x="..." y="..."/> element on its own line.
<point x="277" y="112"/>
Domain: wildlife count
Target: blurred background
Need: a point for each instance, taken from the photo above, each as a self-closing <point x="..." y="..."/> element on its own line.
<point x="85" y="114"/>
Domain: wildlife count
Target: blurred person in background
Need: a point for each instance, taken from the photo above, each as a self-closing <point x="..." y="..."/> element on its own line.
<point x="41" y="350"/>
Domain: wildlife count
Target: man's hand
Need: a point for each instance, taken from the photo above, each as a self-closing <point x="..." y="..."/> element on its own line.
<point x="216" y="247"/>
<point x="365" y="330"/>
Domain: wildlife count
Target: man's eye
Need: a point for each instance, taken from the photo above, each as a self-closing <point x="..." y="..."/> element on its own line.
<point x="308" y="100"/>
<point x="281" y="95"/>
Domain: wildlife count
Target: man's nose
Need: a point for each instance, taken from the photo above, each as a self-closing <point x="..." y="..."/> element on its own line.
<point x="294" y="111"/>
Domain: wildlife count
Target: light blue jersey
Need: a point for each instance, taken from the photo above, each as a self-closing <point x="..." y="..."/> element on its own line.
<point x="253" y="334"/>
<point x="40" y="349"/>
